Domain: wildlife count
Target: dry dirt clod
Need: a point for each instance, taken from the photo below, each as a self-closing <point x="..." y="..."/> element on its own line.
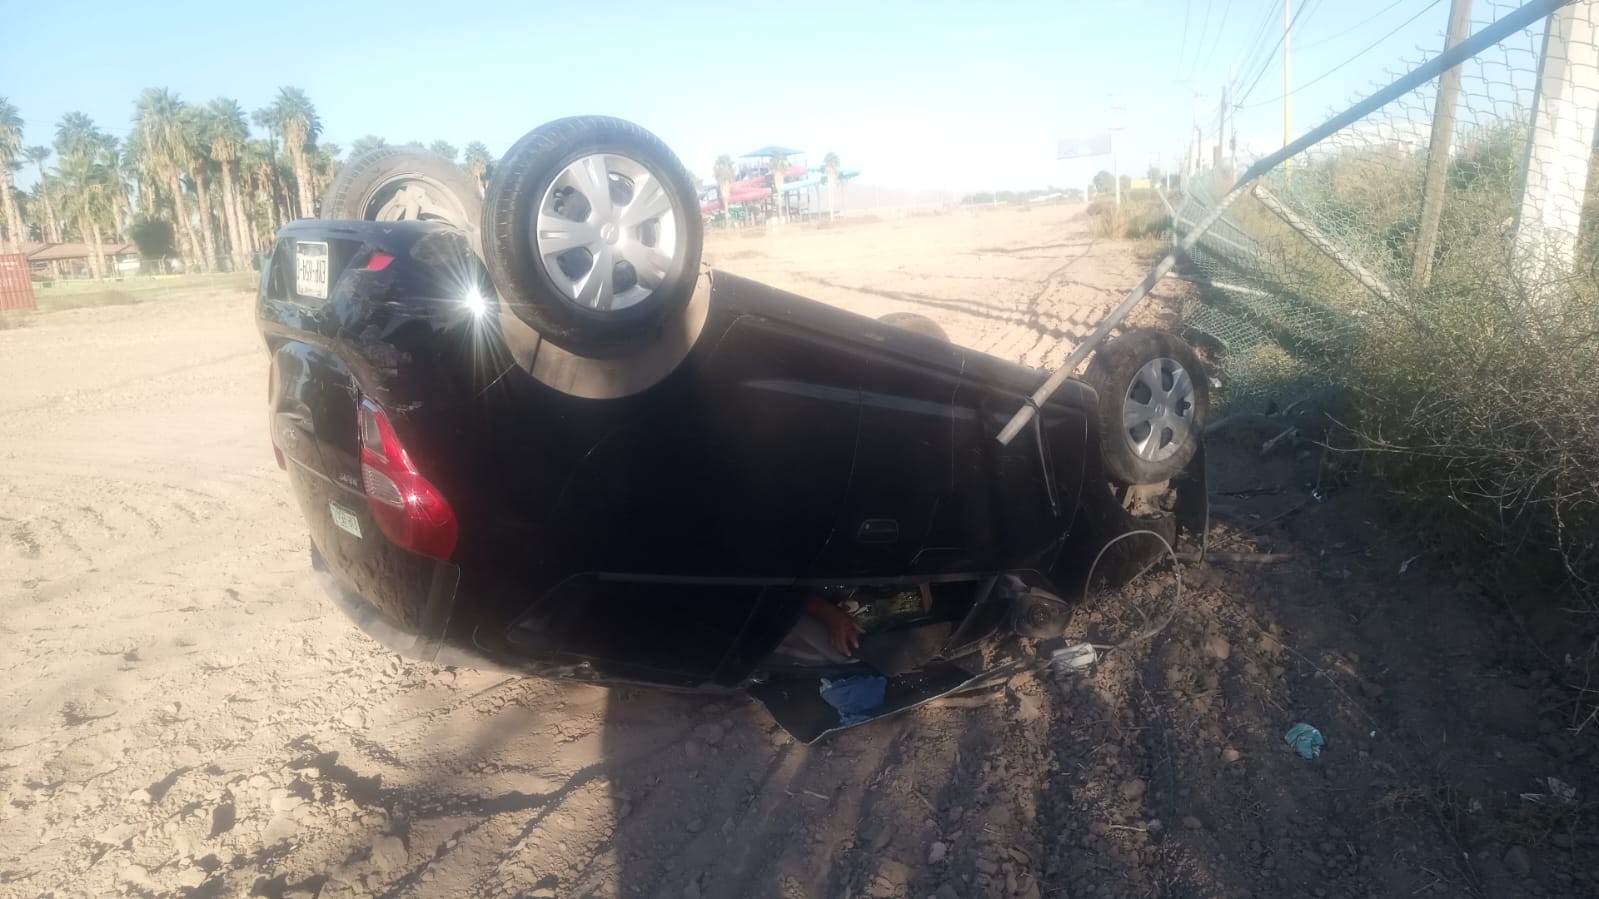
<point x="1230" y="755"/>
<point x="936" y="853"/>
<point x="893" y="872"/>
<point x="388" y="852"/>
<point x="1518" y="862"/>
<point x="1217" y="647"/>
<point x="1193" y="823"/>
<point x="1133" y="790"/>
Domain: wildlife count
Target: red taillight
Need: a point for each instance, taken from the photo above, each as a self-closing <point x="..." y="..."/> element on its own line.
<point x="378" y="262"/>
<point x="411" y="511"/>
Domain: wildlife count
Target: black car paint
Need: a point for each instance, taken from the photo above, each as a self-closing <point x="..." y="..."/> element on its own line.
<point x="669" y="536"/>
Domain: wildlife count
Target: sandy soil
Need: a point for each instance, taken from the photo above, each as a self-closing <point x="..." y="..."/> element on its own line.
<point x="182" y="713"/>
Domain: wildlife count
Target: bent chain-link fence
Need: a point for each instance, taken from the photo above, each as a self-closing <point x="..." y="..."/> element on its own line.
<point x="1323" y="253"/>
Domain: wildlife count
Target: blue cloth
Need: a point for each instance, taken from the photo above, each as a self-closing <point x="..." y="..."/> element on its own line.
<point x="854" y="697"/>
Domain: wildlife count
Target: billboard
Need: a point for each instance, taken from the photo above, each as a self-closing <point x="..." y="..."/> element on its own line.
<point x="1079" y="147"/>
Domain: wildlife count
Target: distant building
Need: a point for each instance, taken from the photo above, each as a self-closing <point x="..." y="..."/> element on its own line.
<point x="74" y="260"/>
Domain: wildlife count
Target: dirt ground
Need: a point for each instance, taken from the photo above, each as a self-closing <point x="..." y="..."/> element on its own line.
<point x="182" y="713"/>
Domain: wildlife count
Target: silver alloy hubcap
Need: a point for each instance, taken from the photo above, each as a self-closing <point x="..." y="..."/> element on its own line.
<point x="605" y="233"/>
<point x="410" y="198"/>
<point x="1158" y="411"/>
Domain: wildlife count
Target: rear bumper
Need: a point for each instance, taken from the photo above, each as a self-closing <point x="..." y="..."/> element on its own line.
<point x="425" y="644"/>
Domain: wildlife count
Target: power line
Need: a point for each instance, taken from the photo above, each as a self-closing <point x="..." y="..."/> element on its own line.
<point x="1262" y="31"/>
<point x="1204" y="29"/>
<point x="1351" y="59"/>
<point x="1220" y="30"/>
<point x="1355" y="27"/>
<point x="1277" y="46"/>
<point x="1183" y="51"/>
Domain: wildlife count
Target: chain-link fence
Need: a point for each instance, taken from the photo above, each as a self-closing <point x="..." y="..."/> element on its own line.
<point x="1437" y="260"/>
<point x="1290" y="283"/>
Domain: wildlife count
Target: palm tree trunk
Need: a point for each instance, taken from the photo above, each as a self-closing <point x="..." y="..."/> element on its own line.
<point x="231" y="213"/>
<point x="13" y="218"/>
<point x="186" y="236"/>
<point x="124" y="207"/>
<point x="91" y="231"/>
<point x="246" y="226"/>
<point x="98" y="242"/>
<point x="207" y="223"/>
<point x="52" y="226"/>
<point x="52" y="231"/>
<point x="302" y="181"/>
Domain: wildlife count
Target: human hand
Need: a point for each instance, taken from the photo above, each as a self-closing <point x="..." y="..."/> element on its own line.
<point x="843" y="631"/>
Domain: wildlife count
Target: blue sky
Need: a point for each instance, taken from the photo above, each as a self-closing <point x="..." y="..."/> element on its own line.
<point x="915" y="94"/>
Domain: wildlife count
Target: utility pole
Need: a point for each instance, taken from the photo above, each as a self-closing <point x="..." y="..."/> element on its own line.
<point x="1221" y="133"/>
<point x="1443" y="133"/>
<point x="1288" y="99"/>
<point x="1115" y="161"/>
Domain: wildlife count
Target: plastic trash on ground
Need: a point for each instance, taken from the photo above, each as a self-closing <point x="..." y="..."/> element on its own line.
<point x="1560" y="792"/>
<point x="1306" y="740"/>
<point x="1072" y="659"/>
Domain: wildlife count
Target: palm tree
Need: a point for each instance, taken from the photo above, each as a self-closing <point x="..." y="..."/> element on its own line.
<point x="37" y="155"/>
<point x="365" y="144"/>
<point x="324" y="165"/>
<point x="443" y="148"/>
<point x="226" y="132"/>
<point x="137" y="175"/>
<point x="297" y="121"/>
<point x="259" y="206"/>
<point x="476" y="160"/>
<point x="164" y="155"/>
<point x="831" y="164"/>
<point x="724" y="171"/>
<point x="779" y="167"/>
<point x="86" y="153"/>
<point x="10" y="152"/>
<point x="117" y="182"/>
<point x="197" y="149"/>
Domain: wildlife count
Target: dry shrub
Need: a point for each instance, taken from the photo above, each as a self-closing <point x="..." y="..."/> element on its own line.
<point x="1139" y="217"/>
<point x="1477" y="399"/>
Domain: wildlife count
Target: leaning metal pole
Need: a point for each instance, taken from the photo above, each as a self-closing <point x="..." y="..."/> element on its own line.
<point x="1443" y="62"/>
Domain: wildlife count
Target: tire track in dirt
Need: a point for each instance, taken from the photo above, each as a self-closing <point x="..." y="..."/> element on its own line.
<point x="136" y="380"/>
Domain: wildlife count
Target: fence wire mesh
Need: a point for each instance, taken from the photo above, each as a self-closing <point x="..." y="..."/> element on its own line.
<point x="1461" y="329"/>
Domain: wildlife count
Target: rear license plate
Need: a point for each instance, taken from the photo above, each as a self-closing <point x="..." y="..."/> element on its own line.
<point x="311" y="269"/>
<point x="345" y="519"/>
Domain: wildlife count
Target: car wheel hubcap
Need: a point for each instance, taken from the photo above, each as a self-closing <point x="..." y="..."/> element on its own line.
<point x="1158" y="411"/>
<point x="417" y="199"/>
<point x="606" y="233"/>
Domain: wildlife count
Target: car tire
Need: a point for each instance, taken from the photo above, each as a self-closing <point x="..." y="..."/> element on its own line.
<point x="594" y="268"/>
<point x="1153" y="401"/>
<point x="402" y="184"/>
<point x="912" y="321"/>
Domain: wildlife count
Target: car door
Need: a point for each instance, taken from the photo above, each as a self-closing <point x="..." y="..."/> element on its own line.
<point x="914" y="472"/>
<point x="733" y="468"/>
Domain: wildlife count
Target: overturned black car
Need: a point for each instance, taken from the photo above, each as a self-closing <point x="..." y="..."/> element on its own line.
<point x="528" y="431"/>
